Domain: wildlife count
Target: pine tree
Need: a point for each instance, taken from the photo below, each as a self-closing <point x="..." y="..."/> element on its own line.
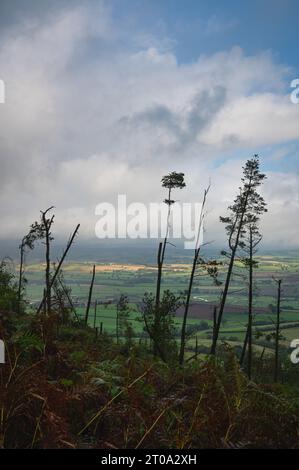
<point x="247" y="202"/>
<point x="171" y="181"/>
<point x="249" y="244"/>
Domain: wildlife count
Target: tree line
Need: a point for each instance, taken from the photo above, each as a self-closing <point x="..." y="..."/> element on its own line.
<point x="242" y="226"/>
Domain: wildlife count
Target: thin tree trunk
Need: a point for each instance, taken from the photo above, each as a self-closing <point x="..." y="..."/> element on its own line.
<point x="167" y="227"/>
<point x="159" y="277"/>
<point x="244" y="346"/>
<point x="160" y="260"/>
<point x="223" y="300"/>
<point x="157" y="303"/>
<point x="214" y="323"/>
<point x="183" y="333"/>
<point x="95" y="314"/>
<point x="117" y="325"/>
<point x="250" y="293"/>
<point x="90" y="294"/>
<point x="195" y="260"/>
<point x="229" y="273"/>
<point x="48" y="266"/>
<point x="47" y="223"/>
<point x="277" y="331"/>
<point x="69" y="244"/>
<point x="68" y="298"/>
<point x="22" y="248"/>
<point x="45" y="305"/>
<point x="43" y="327"/>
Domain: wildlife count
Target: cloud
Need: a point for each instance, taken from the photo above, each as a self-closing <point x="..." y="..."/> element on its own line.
<point x="255" y="121"/>
<point x="94" y="110"/>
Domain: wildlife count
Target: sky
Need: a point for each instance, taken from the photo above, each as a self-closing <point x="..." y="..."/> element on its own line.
<point x="105" y="97"/>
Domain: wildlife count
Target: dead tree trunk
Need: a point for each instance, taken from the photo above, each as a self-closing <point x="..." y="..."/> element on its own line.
<point x="117" y="325"/>
<point x="183" y="334"/>
<point x="57" y="270"/>
<point x="22" y="252"/>
<point x="47" y="223"/>
<point x="95" y="314"/>
<point x="157" y="303"/>
<point x="70" y="242"/>
<point x="90" y="295"/>
<point x="161" y="253"/>
<point x="68" y="298"/>
<point x="223" y="300"/>
<point x="242" y="357"/>
<point x="277" y="330"/>
<point x="214" y="323"/>
<point x="250" y="294"/>
<point x="160" y="264"/>
<point x="191" y="280"/>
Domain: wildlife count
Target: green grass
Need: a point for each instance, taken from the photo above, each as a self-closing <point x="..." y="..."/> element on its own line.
<point x="135" y="282"/>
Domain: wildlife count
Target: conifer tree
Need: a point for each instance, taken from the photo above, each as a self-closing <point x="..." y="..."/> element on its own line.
<point x="247" y="202"/>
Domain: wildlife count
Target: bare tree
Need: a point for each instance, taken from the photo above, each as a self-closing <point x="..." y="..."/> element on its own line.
<point x="61" y="299"/>
<point x="21" y="272"/>
<point x="245" y="342"/>
<point x="43" y="228"/>
<point x="67" y="295"/>
<point x="277" y="332"/>
<point x="60" y="263"/>
<point x="250" y="239"/>
<point x="191" y="280"/>
<point x="47" y="222"/>
<point x="26" y="243"/>
<point x="90" y="294"/>
<point x="214" y="323"/>
<point x="117" y="323"/>
<point x="95" y="314"/>
<point x="36" y="232"/>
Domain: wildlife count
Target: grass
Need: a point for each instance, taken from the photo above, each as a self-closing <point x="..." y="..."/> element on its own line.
<point x="70" y="387"/>
<point x="88" y="392"/>
<point x="134" y="280"/>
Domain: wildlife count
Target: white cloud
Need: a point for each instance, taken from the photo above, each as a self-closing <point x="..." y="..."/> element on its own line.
<point x="87" y="116"/>
<point x="255" y="120"/>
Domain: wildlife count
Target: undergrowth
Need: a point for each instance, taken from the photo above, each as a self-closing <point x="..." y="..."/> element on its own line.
<point x="84" y="391"/>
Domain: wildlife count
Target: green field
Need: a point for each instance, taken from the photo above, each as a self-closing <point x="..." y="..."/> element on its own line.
<point x="134" y="280"/>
